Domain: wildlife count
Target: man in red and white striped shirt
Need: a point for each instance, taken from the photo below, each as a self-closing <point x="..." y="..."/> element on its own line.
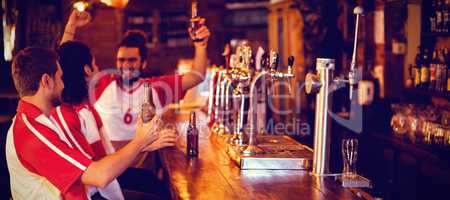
<point x="44" y="162"/>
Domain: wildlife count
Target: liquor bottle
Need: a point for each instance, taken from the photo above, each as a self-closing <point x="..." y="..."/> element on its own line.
<point x="447" y="75"/>
<point x="148" y="110"/>
<point x="416" y="69"/>
<point x="432" y="18"/>
<point x="192" y="137"/>
<point x="433" y="67"/>
<point x="439" y="16"/>
<point x="425" y="70"/>
<point x="446" y="16"/>
<point x="195" y="21"/>
<point x="440" y="70"/>
<point x="438" y="84"/>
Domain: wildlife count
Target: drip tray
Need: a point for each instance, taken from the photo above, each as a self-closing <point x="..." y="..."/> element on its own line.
<point x="280" y="152"/>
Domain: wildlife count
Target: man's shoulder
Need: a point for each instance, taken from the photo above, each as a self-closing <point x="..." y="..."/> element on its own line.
<point x="101" y="82"/>
<point x="25" y="132"/>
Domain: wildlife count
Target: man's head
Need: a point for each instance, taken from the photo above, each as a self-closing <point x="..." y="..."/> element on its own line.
<point x="36" y="71"/>
<point x="76" y="59"/>
<point x="131" y="55"/>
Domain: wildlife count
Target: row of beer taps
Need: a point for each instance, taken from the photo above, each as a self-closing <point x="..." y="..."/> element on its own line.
<point x="235" y="91"/>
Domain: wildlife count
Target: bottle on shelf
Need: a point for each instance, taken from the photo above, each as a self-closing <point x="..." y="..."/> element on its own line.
<point x="424" y="70"/>
<point x="416" y="69"/>
<point x="447" y="75"/>
<point x="192" y="137"/>
<point x="440" y="16"/>
<point x="432" y="70"/>
<point x="440" y="68"/>
<point x="432" y="17"/>
<point x="446" y="16"/>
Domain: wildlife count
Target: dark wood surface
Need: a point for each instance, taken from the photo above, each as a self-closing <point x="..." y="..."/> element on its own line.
<point x="214" y="176"/>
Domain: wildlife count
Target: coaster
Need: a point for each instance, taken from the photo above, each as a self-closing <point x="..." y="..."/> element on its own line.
<point x="356" y="181"/>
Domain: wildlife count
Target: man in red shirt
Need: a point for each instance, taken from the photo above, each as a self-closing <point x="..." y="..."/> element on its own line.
<point x="43" y="162"/>
<point x="117" y="94"/>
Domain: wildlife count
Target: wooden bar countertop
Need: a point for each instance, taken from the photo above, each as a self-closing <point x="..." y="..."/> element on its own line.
<point x="212" y="175"/>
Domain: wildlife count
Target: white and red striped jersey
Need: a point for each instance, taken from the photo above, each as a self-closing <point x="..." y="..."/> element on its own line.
<point x="82" y="124"/>
<point x="43" y="162"/>
<point x="119" y="107"/>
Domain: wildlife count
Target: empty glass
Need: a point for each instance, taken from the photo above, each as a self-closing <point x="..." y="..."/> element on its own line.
<point x="349" y="157"/>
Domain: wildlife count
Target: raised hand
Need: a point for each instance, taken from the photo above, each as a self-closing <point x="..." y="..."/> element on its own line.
<point x="202" y="33"/>
<point x="79" y="19"/>
<point x="76" y="19"/>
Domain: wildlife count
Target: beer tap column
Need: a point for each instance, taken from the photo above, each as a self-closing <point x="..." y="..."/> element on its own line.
<point x="320" y="83"/>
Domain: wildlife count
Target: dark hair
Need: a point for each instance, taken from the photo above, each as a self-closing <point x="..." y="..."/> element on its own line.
<point x="74" y="56"/>
<point x="135" y="38"/>
<point x="28" y="67"/>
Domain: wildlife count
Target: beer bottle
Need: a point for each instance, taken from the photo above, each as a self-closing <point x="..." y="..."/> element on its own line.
<point x="195" y="21"/>
<point x="192" y="137"/>
<point x="148" y="110"/>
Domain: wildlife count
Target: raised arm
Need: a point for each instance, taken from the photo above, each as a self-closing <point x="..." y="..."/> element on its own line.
<point x="76" y="19"/>
<point x="197" y="74"/>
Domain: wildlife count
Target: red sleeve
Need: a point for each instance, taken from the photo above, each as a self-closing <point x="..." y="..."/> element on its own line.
<point x="169" y="88"/>
<point x="41" y="151"/>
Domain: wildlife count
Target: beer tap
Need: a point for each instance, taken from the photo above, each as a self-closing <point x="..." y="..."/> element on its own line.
<point x="322" y="84"/>
<point x="219" y="93"/>
<point x="241" y="76"/>
<point x="225" y="85"/>
<point x="259" y="80"/>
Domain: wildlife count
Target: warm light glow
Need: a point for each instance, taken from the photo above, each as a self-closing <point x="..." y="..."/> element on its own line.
<point x="107" y="2"/>
<point x="115" y="3"/>
<point x="80" y="6"/>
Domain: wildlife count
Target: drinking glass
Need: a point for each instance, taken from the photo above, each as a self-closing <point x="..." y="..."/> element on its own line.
<point x="350" y="155"/>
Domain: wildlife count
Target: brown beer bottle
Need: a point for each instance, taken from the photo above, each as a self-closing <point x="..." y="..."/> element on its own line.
<point x="192" y="137"/>
<point x="195" y="21"/>
<point x="148" y="108"/>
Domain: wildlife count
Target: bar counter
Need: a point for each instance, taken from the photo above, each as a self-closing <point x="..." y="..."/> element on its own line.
<point x="212" y="175"/>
